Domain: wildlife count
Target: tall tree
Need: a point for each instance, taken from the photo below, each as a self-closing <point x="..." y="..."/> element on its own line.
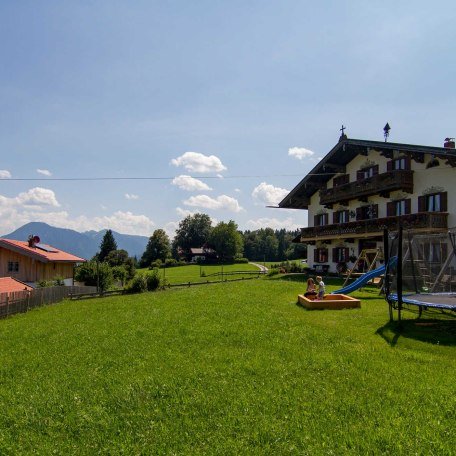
<point x="158" y="248"/>
<point x="226" y="240"/>
<point x="193" y="231"/>
<point x="108" y="244"/>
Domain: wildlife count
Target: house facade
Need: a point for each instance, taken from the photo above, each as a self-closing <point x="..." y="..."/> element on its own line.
<point x="361" y="187"/>
<point x="31" y="262"/>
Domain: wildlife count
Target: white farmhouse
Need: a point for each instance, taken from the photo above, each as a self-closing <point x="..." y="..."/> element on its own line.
<point x="361" y="187"/>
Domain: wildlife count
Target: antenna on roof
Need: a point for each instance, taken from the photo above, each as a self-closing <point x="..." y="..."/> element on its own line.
<point x="386" y="131"/>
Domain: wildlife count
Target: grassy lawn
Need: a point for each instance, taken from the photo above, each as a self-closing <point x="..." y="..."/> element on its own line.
<point x="191" y="272"/>
<point x="224" y="369"/>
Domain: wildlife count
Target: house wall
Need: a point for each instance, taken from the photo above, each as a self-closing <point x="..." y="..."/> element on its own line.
<point x="31" y="270"/>
<point x="441" y="177"/>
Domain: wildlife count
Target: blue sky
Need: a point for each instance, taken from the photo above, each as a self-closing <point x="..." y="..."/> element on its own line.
<point x="244" y="96"/>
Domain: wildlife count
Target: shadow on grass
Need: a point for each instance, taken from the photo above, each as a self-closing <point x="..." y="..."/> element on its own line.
<point x="433" y="331"/>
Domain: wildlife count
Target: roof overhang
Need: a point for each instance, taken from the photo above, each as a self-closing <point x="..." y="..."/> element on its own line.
<point x="343" y="153"/>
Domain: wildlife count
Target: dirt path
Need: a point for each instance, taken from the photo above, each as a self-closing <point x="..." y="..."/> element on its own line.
<point x="262" y="268"/>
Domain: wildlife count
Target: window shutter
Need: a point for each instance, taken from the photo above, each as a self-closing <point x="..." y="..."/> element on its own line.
<point x="335" y="260"/>
<point x="390" y="209"/>
<point x="360" y="175"/>
<point x="316" y="220"/>
<point x="346" y="254"/>
<point x="375" y="170"/>
<point x="336" y="217"/>
<point x="408" y="206"/>
<point x="359" y="213"/>
<point x="389" y="165"/>
<point x="421" y="204"/>
<point x="408" y="162"/>
<point x="325" y="218"/>
<point x="444" y="201"/>
<point x="375" y="209"/>
<point x="316" y="256"/>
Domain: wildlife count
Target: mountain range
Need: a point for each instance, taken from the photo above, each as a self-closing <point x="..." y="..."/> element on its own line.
<point x="84" y="245"/>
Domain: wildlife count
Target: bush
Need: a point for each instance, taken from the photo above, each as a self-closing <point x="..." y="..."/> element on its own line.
<point x="241" y="260"/>
<point x="153" y="280"/>
<point x="120" y="274"/>
<point x="155" y="264"/>
<point x="171" y="262"/>
<point x="95" y="274"/>
<point x="138" y="284"/>
<point x="272" y="272"/>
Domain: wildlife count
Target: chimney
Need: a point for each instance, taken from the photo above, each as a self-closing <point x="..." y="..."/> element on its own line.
<point x="449" y="143"/>
<point x="31" y="240"/>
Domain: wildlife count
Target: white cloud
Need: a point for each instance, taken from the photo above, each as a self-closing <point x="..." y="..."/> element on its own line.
<point x="35" y="197"/>
<point x="170" y="229"/>
<point x="44" y="172"/>
<point x="190" y="183"/>
<point x="130" y="196"/>
<point x="222" y="202"/>
<point x="199" y="163"/>
<point x="38" y="204"/>
<point x="276" y="224"/>
<point x="268" y="194"/>
<point x="5" y="174"/>
<point x="237" y="190"/>
<point x="184" y="212"/>
<point x="300" y="152"/>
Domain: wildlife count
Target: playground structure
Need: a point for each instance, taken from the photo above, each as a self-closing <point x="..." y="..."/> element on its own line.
<point x="366" y="261"/>
<point x="424" y="277"/>
<point x="364" y="278"/>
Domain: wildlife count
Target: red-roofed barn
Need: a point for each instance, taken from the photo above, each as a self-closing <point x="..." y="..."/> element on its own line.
<point x="31" y="262"/>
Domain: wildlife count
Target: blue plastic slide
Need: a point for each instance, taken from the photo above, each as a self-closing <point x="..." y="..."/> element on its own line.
<point x="360" y="281"/>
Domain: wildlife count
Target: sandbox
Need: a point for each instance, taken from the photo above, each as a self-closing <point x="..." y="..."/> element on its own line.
<point x="330" y="301"/>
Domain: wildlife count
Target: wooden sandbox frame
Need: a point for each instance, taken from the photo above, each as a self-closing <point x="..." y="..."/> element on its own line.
<point x="330" y="301"/>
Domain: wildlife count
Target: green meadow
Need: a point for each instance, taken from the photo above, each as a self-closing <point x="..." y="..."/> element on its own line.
<point x="228" y="368"/>
<point x="206" y="273"/>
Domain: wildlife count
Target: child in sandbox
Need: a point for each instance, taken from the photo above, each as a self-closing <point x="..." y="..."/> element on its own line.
<point x="311" y="292"/>
<point x="321" y="288"/>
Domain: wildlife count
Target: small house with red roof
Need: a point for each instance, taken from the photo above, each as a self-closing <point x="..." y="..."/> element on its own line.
<point x="32" y="261"/>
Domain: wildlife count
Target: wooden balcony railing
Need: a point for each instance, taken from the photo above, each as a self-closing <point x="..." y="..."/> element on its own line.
<point x="433" y="221"/>
<point x="384" y="183"/>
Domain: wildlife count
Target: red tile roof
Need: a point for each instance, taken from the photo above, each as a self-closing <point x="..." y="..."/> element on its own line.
<point x="54" y="255"/>
<point x="10" y="285"/>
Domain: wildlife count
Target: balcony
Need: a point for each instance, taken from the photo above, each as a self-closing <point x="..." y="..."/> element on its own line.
<point x="379" y="184"/>
<point x="424" y="221"/>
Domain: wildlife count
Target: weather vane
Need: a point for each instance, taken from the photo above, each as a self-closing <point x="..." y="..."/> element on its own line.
<point x="386" y="131"/>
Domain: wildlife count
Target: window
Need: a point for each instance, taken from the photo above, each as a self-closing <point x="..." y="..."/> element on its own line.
<point x="436" y="202"/>
<point x="399" y="207"/>
<point x="13" y="266"/>
<point x="365" y="173"/>
<point x="340" y="254"/>
<point x="341" y="217"/>
<point x="399" y="163"/>
<point x="321" y="220"/>
<point x="367" y="212"/>
<point x="341" y="180"/>
<point x="321" y="255"/>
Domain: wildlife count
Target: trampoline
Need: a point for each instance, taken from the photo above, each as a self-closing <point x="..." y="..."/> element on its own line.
<point x="425" y="277"/>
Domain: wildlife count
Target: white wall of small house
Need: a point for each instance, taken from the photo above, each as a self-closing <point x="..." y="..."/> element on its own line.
<point x="442" y="178"/>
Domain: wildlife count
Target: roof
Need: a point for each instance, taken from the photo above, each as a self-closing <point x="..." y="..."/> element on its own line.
<point x="201" y="251"/>
<point x="343" y="153"/>
<point x="10" y="285"/>
<point x="45" y="253"/>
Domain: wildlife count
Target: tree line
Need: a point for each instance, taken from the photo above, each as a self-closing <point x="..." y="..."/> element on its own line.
<point x="229" y="243"/>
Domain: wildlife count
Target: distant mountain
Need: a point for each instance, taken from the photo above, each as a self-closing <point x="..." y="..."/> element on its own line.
<point x="84" y="245"/>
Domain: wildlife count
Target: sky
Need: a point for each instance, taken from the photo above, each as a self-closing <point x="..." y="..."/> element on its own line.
<point x="133" y="115"/>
